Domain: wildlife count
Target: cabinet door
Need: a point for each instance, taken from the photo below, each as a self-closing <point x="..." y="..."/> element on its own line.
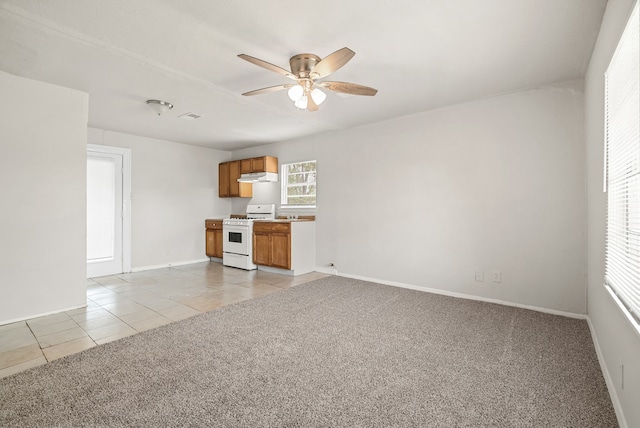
<point x="234" y="174"/>
<point x="223" y="180"/>
<point x="217" y="242"/>
<point x="258" y="164"/>
<point x="270" y="164"/>
<point x="281" y="250"/>
<point x="261" y="249"/>
<point x="214" y="242"/>
<point x="246" y="166"/>
<point x="210" y="243"/>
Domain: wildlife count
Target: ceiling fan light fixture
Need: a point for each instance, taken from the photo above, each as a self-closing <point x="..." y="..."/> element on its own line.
<point x="306" y="70"/>
<point x="318" y="96"/>
<point x="302" y="102"/>
<point x="159" y="107"/>
<point x="295" y="93"/>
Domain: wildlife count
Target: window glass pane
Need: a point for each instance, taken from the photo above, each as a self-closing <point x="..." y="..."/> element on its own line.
<point x="622" y="125"/>
<point x="100" y="208"/>
<point x="299" y="184"/>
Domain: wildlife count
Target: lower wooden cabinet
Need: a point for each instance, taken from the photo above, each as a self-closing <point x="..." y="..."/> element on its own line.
<point x="272" y="245"/>
<point x="285" y="245"/>
<point x="213" y="240"/>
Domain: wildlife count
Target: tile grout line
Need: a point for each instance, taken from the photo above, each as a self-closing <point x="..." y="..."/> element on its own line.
<point x="37" y="341"/>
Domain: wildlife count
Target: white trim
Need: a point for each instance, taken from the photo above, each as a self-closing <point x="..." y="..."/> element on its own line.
<point x="126" y="198"/>
<point x="284" y="186"/>
<point x="168" y="265"/>
<point x="43" y="314"/>
<point x="613" y="395"/>
<point x="625" y="311"/>
<point x="333" y="271"/>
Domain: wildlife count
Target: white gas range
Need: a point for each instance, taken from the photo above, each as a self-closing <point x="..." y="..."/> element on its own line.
<point x="237" y="236"/>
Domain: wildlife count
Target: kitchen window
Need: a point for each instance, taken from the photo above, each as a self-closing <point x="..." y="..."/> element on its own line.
<point x="622" y="172"/>
<point x="299" y="185"/>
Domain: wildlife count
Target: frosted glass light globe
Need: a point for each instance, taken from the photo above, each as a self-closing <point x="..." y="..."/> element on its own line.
<point x="295" y="92"/>
<point x="302" y="102"/>
<point x="318" y="96"/>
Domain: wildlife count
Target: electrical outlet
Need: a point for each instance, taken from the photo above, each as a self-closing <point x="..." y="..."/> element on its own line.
<point x="497" y="276"/>
<point x="480" y="276"/>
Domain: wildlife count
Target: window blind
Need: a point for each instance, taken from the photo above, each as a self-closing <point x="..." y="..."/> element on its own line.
<point x="622" y="173"/>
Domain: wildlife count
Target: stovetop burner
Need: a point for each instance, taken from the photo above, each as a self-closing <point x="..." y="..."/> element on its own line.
<point x="254" y="212"/>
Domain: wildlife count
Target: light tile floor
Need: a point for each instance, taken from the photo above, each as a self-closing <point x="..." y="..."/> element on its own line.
<point x="127" y="304"/>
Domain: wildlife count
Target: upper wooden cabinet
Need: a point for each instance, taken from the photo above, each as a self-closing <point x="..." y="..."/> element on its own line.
<point x="229" y="172"/>
<point x="261" y="164"/>
<point x="228" y="186"/>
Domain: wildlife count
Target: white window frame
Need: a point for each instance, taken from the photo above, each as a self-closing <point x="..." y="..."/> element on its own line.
<point x="285" y="186"/>
<point x="622" y="172"/>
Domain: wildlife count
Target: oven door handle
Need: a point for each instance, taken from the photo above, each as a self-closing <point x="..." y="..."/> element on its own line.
<point x="231" y="228"/>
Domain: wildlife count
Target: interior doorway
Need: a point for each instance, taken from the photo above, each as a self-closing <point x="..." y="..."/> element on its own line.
<point x="108" y="210"/>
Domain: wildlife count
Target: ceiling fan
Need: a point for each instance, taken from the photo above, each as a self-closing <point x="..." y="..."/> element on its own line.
<point x="306" y="70"/>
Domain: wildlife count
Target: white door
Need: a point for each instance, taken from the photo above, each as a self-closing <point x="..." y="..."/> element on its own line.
<point x="104" y="213"/>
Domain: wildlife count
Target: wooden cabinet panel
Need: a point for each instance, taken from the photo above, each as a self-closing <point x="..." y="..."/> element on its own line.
<point x="261" y="248"/>
<point x="217" y="239"/>
<point x="213" y="235"/>
<point x="234" y="174"/>
<point x="258" y="164"/>
<point x="223" y="180"/>
<point x="270" y="164"/>
<point x="229" y="172"/>
<point x="266" y="227"/>
<point x="281" y="250"/>
<point x="285" y="245"/>
<point x="272" y="244"/>
<point x="213" y="224"/>
<point x="246" y="166"/>
<point x="228" y="186"/>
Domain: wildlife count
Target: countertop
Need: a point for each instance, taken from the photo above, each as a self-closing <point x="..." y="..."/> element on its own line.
<point x="284" y="220"/>
<point x="277" y="220"/>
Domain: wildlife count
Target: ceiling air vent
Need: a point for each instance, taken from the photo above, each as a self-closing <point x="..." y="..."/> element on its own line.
<point x="190" y="116"/>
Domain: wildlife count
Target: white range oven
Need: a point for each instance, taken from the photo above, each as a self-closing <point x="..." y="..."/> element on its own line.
<point x="237" y="236"/>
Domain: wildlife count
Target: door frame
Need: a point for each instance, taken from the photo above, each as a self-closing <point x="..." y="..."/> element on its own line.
<point x="126" y="198"/>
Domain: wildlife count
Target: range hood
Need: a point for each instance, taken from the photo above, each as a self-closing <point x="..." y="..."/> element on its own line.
<point x="258" y="177"/>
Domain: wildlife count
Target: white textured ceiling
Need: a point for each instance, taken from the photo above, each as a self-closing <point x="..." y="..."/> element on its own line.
<point x="419" y="54"/>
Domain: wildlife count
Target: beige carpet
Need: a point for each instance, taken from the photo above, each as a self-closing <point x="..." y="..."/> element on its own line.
<point x="334" y="352"/>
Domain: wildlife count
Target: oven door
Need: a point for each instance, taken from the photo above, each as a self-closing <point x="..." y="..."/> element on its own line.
<point x="236" y="239"/>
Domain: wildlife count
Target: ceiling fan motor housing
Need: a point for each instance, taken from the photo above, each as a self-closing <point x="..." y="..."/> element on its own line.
<point x="302" y="64"/>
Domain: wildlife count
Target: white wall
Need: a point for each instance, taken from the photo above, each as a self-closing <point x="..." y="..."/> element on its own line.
<point x="618" y="342"/>
<point x="175" y="188"/>
<point x="43" y="131"/>
<point x="427" y="200"/>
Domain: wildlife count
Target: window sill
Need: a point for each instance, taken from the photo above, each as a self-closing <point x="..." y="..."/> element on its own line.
<point x="634" y="324"/>
<point x="310" y="208"/>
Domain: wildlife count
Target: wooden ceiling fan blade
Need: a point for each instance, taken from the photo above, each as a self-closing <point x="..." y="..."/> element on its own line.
<point x="311" y="104"/>
<point x="332" y="63"/>
<point x="268" y="89"/>
<point x="349" y="88"/>
<point x="267" y="65"/>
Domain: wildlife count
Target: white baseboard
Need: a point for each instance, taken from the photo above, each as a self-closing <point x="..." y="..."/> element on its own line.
<point x="43" y="314"/>
<point x="143" y="268"/>
<point x="617" y="407"/>
<point x="327" y="269"/>
<point x="333" y="271"/>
